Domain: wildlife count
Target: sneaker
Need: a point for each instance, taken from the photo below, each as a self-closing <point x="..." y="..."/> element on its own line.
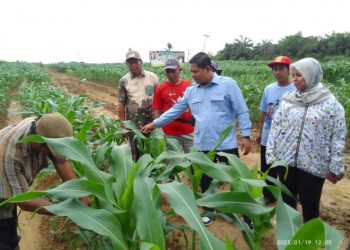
<point x="207" y="220"/>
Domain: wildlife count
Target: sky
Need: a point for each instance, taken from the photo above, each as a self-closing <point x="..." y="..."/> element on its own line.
<point x="101" y="31"/>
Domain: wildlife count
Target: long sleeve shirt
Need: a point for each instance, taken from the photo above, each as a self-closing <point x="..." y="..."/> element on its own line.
<point x="310" y="138"/>
<point x="18" y="163"/>
<point x="214" y="107"/>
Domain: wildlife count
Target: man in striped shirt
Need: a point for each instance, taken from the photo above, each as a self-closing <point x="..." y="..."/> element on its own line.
<point x="19" y="164"/>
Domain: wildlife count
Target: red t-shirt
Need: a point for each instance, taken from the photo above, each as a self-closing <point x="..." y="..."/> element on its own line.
<point x="165" y="96"/>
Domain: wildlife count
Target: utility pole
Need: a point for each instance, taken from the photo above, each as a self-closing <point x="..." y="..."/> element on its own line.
<point x="205" y="39"/>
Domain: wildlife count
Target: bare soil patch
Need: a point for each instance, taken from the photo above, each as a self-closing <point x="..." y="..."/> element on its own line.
<point x="94" y="91"/>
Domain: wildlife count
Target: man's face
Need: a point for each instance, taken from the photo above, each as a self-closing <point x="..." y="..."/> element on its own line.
<point x="135" y="66"/>
<point x="173" y="75"/>
<point x="281" y="73"/>
<point x="201" y="76"/>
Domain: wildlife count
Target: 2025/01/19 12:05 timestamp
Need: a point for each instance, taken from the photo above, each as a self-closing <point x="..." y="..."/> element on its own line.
<point x="305" y="242"/>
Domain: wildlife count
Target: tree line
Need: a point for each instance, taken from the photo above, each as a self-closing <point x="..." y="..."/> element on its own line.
<point x="294" y="46"/>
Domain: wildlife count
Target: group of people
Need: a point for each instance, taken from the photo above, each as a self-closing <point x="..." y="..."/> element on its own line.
<point x="302" y="124"/>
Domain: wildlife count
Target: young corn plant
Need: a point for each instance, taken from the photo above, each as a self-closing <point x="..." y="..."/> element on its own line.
<point x="127" y="208"/>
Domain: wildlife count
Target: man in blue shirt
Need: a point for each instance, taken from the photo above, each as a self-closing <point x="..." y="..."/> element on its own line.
<point x="215" y="101"/>
<point x="268" y="106"/>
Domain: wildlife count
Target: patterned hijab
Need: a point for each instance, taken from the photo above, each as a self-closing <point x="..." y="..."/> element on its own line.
<point x="315" y="92"/>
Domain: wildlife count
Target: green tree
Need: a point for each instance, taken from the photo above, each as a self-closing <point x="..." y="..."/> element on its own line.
<point x="291" y="45"/>
<point x="240" y="49"/>
<point x="310" y="48"/>
<point x="294" y="46"/>
<point x="337" y="44"/>
<point x="243" y="48"/>
<point x="265" y="50"/>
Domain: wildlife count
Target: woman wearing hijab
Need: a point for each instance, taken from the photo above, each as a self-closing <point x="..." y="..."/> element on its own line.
<point x="308" y="132"/>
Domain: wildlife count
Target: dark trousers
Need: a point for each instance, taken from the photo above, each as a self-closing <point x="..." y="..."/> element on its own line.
<point x="308" y="187"/>
<point x="8" y="233"/>
<point x="206" y="180"/>
<point x="136" y="153"/>
<point x="273" y="173"/>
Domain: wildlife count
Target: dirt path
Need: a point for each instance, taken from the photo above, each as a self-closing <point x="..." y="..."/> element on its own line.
<point x="30" y="231"/>
<point x="42" y="232"/>
<point x="95" y="92"/>
<point x="335" y="203"/>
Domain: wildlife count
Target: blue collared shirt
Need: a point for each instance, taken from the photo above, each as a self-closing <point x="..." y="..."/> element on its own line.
<point x="214" y="107"/>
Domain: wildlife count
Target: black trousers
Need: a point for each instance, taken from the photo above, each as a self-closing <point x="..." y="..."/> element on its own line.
<point x="8" y="232"/>
<point x="308" y="187"/>
<point x="136" y="153"/>
<point x="273" y="172"/>
<point x="206" y="180"/>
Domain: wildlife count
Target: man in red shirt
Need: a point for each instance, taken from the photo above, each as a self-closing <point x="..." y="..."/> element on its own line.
<point x="165" y="96"/>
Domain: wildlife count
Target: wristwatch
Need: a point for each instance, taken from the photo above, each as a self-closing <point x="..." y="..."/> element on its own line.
<point x="246" y="137"/>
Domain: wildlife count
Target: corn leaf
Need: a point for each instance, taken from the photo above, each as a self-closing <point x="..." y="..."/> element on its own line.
<point x="24" y="197"/>
<point x="315" y="234"/>
<point x="234" y="202"/>
<point x="183" y="202"/>
<point x="78" y="188"/>
<point x="288" y="220"/>
<point x="148" y="223"/>
<point x="98" y="220"/>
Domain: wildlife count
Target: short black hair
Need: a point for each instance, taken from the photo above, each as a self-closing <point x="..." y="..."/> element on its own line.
<point x="201" y="59"/>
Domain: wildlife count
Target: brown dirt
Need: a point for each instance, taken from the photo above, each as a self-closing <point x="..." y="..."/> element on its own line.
<point x="3" y="119"/>
<point x="335" y="202"/>
<point x="95" y="92"/>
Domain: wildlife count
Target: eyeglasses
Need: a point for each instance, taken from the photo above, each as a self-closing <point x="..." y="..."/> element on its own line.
<point x="170" y="71"/>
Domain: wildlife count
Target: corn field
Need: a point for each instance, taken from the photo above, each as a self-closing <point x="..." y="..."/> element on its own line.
<point x="127" y="210"/>
<point x="252" y="77"/>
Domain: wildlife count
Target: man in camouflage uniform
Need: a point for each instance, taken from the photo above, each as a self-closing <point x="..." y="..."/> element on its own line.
<point x="135" y="93"/>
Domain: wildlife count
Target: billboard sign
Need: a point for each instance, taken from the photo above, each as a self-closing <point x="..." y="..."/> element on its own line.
<point x="158" y="57"/>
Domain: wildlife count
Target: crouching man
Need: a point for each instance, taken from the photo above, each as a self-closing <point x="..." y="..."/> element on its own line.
<point x="19" y="164"/>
